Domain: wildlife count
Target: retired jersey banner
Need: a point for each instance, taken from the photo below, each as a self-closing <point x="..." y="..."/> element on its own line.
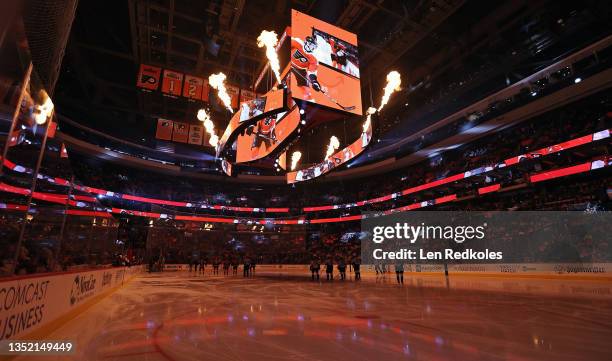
<point x="164" y="129"/>
<point x="234" y="93"/>
<point x="196" y="134"/>
<point x="193" y="87"/>
<point x="172" y="83"/>
<point x="181" y="132"/>
<point x="148" y="77"/>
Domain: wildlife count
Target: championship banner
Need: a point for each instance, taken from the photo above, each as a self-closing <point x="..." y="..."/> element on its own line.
<point x="148" y="77"/>
<point x="196" y="134"/>
<point x="164" y="129"/>
<point x="262" y="138"/>
<point x="334" y="161"/>
<point x="249" y="112"/>
<point x="181" y="132"/>
<point x="172" y="83"/>
<point x="234" y="93"/>
<point x="324" y="64"/>
<point x="193" y="87"/>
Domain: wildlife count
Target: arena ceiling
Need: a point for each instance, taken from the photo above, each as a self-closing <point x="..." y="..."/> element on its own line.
<point x="428" y="41"/>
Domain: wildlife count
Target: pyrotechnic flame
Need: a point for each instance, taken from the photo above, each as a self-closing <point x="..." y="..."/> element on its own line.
<point x="334" y="144"/>
<point x="269" y="39"/>
<point x="217" y="81"/>
<point x="209" y="126"/>
<point x="295" y="158"/>
<point x="43" y="111"/>
<point x="366" y="124"/>
<point x="393" y="84"/>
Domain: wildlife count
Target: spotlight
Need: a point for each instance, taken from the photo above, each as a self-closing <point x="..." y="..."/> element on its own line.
<point x="301" y="111"/>
<point x="303" y="122"/>
<point x="577" y="80"/>
<point x="533" y="94"/>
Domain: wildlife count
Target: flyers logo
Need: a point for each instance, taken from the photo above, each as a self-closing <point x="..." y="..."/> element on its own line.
<point x="148" y="79"/>
<point x="299" y="56"/>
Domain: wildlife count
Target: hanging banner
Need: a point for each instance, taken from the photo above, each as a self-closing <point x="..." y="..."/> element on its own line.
<point x="234" y="93"/>
<point x="148" y="77"/>
<point x="193" y="87"/>
<point x="172" y="83"/>
<point x="196" y="134"/>
<point x="181" y="132"/>
<point x="164" y="129"/>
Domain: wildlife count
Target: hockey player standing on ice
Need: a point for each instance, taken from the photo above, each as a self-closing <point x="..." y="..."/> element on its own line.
<point x="304" y="65"/>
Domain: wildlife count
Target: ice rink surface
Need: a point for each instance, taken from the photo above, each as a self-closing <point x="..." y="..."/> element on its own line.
<point x="274" y="316"/>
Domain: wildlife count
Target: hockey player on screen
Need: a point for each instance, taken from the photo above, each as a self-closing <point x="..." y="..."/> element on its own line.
<point x="338" y="54"/>
<point x="265" y="133"/>
<point x="304" y="65"/>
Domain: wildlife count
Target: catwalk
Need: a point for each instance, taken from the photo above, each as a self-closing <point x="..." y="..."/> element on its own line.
<point x="272" y="316"/>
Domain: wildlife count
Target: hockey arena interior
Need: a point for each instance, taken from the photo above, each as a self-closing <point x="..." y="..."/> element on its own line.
<point x="305" y="180"/>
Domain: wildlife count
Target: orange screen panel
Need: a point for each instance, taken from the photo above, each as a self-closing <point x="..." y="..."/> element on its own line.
<point x="263" y="138"/>
<point x="324" y="64"/>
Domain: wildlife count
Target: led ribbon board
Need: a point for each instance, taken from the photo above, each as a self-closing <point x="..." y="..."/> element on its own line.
<point x="335" y="160"/>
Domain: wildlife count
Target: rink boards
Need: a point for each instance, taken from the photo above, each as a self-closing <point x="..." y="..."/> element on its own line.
<point x="37" y="304"/>
<point x="542" y="270"/>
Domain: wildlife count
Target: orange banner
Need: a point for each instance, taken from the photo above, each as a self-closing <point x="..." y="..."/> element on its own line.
<point x="164" y="129"/>
<point x="181" y="132"/>
<point x="172" y="82"/>
<point x="234" y="93"/>
<point x="148" y="77"/>
<point x="196" y="134"/>
<point x="193" y="87"/>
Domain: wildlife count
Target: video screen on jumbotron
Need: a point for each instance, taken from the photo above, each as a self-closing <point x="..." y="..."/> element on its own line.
<point x="324" y="64"/>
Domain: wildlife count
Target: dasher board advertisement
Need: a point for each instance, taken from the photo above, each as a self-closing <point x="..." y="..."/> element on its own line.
<point x="324" y="64"/>
<point x="249" y="112"/>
